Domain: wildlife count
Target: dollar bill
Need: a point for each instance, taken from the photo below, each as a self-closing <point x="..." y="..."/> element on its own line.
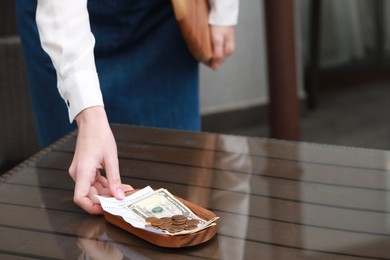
<point x="161" y="203"/>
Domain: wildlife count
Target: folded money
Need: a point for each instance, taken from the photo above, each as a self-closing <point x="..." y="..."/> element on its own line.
<point x="157" y="211"/>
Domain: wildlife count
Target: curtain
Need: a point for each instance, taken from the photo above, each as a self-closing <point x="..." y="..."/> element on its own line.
<point x="348" y="30"/>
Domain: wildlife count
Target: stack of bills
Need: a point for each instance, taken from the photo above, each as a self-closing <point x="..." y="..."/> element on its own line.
<point x="140" y="207"/>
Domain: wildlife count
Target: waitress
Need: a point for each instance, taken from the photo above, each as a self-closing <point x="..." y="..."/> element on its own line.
<point x="129" y="52"/>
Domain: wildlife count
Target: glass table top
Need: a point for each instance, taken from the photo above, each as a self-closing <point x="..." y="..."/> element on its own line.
<point x="275" y="199"/>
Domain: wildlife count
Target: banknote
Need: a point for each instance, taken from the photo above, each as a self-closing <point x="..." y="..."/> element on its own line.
<point x="161" y="203"/>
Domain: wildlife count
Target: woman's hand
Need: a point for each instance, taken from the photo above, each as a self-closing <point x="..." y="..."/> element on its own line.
<point x="223" y="39"/>
<point x="95" y="150"/>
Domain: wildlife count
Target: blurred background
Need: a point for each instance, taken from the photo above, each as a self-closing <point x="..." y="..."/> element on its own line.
<point x="343" y="78"/>
<point x="343" y="67"/>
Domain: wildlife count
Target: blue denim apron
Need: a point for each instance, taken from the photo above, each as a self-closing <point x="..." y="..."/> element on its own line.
<point x="147" y="76"/>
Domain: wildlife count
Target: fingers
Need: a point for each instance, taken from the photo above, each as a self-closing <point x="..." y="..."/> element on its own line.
<point x="119" y="190"/>
<point x="84" y="194"/>
<point x="100" y="190"/>
<point x="100" y="179"/>
<point x="223" y="44"/>
<point x="89" y="183"/>
<point x="114" y="181"/>
<point x="95" y="149"/>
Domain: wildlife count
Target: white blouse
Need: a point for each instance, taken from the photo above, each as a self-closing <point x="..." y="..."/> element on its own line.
<point x="65" y="34"/>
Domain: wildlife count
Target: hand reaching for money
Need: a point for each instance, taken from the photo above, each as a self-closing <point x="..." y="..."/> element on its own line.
<point x="95" y="149"/>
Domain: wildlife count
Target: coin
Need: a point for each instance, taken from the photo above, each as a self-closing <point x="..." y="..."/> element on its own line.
<point x="178" y="217"/>
<point x="165" y="226"/>
<point x="150" y="219"/>
<point x="176" y="228"/>
<point x="179" y="222"/>
<point x="157" y="222"/>
<point x="192" y="222"/>
<point x="174" y="224"/>
<point x="167" y="219"/>
<point x="190" y="227"/>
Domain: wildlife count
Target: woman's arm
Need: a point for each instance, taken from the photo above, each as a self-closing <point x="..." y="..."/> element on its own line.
<point x="66" y="36"/>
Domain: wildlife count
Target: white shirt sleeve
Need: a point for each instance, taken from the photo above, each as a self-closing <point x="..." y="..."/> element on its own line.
<point x="65" y="34"/>
<point x="223" y="12"/>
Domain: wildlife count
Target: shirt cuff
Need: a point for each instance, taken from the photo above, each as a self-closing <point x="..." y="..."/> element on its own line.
<point x="80" y="91"/>
<point x="224" y="13"/>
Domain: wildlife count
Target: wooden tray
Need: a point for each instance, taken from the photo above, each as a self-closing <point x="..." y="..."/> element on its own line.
<point x="192" y="17"/>
<point x="167" y="240"/>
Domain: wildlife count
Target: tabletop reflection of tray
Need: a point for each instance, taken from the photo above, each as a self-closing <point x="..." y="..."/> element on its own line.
<point x="168" y="240"/>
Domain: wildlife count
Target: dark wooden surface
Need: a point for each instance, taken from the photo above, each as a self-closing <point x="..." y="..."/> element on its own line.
<point x="276" y="199"/>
